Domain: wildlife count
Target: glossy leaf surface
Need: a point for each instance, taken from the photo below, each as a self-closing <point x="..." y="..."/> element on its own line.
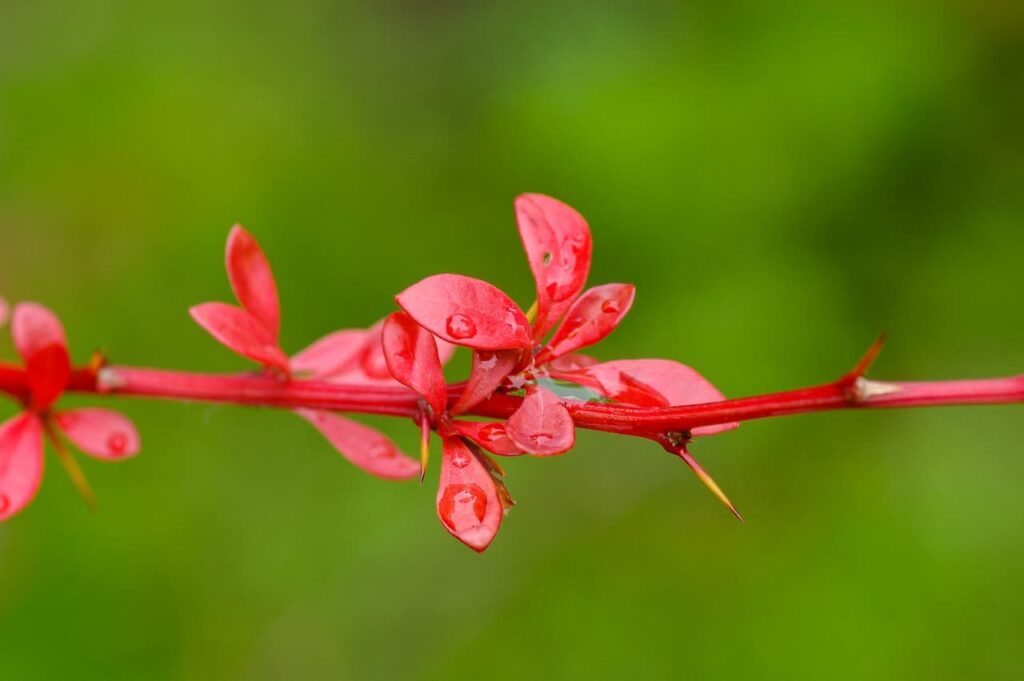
<point x="488" y="371"/>
<point x="241" y="332"/>
<point x="39" y="339"/>
<point x="677" y="383"/>
<point x="252" y="280"/>
<point x="542" y="425"/>
<point x="468" y="503"/>
<point x="558" y="247"/>
<point x="21" y="462"/>
<point x="102" y="433"/>
<point x="466" y="311"/>
<point x="362" y="445"/>
<point x="331" y="354"/>
<point x="593" y="316"/>
<point x="411" y="355"/>
<point x="491" y="435"/>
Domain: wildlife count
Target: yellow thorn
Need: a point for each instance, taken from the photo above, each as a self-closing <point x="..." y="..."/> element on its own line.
<point x="531" y="314"/>
<point x="71" y="466"/>
<point x="708" y="481"/>
<point x="424" y="447"/>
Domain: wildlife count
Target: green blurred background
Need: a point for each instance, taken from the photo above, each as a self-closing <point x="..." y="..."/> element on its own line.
<point x="781" y="183"/>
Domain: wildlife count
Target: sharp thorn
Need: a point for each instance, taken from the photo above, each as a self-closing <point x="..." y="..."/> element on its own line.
<point x="708" y="481"/>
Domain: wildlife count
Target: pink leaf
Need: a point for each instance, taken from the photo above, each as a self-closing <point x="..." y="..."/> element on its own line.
<point x="491" y="435"/>
<point x="558" y="248"/>
<point x="102" y="433"/>
<point x="466" y="311"/>
<point x="363" y="446"/>
<point x="252" y="280"/>
<point x="39" y="339"/>
<point x="21" y="462"/>
<point x="593" y="316"/>
<point x="35" y="328"/>
<point x="615" y="385"/>
<point x="411" y="354"/>
<point x="468" y="503"/>
<point x="331" y="354"/>
<point x="241" y="332"/>
<point x="572" y="362"/>
<point x="542" y="425"/>
<point x="489" y="370"/>
<point x="679" y="384"/>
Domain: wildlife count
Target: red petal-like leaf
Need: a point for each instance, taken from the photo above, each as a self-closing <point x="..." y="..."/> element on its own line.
<point x="466" y="311"/>
<point x="558" y="248"/>
<point x="411" y="354"/>
<point x="679" y="384"/>
<point x="468" y="502"/>
<point x="252" y="280"/>
<point x="491" y="435"/>
<point x="331" y="354"/>
<point x="593" y="316"/>
<point x="21" y="462"/>
<point x="35" y="328"/>
<point x="363" y="446"/>
<point x="489" y="370"/>
<point x="542" y="425"/>
<point x="616" y="386"/>
<point x="572" y="362"/>
<point x="39" y="338"/>
<point x="241" y="332"/>
<point x="102" y="433"/>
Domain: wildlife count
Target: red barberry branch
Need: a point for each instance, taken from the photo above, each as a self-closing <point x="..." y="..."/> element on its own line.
<point x="522" y="363"/>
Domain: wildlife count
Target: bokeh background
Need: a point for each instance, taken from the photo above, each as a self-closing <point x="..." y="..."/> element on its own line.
<point x="781" y="182"/>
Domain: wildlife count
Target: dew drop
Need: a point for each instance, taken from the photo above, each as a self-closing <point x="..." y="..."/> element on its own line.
<point x="5" y="503"/>
<point x="540" y="438"/>
<point x="492" y="432"/>
<point x="382" y="452"/>
<point x="610" y="307"/>
<point x="460" y="327"/>
<point x="460" y="460"/>
<point x="462" y="507"/>
<point x="117" y="443"/>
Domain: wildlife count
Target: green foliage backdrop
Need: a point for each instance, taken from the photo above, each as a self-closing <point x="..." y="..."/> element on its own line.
<point x="780" y="181"/>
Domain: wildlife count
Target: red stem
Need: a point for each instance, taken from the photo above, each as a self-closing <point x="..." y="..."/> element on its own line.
<point x="850" y="392"/>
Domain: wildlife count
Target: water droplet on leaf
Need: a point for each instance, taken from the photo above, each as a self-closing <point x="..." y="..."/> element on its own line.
<point x="460" y="327"/>
<point x="462" y="507"/>
<point x="492" y="432"/>
<point x="117" y="443"/>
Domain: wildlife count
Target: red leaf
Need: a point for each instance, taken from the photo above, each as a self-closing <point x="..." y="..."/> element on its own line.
<point x="572" y="362"/>
<point x="21" y="462"/>
<point x="363" y="446"/>
<point x="616" y="386"/>
<point x="411" y="354"/>
<point x="39" y="339"/>
<point x="558" y="248"/>
<point x="331" y="354"/>
<point x="679" y="384"/>
<point x="489" y="370"/>
<point x="102" y="433"/>
<point x="491" y="435"/>
<point x="593" y="316"/>
<point x="241" y="332"/>
<point x="252" y="280"/>
<point x="468" y="503"/>
<point x="466" y="311"/>
<point x="542" y="425"/>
